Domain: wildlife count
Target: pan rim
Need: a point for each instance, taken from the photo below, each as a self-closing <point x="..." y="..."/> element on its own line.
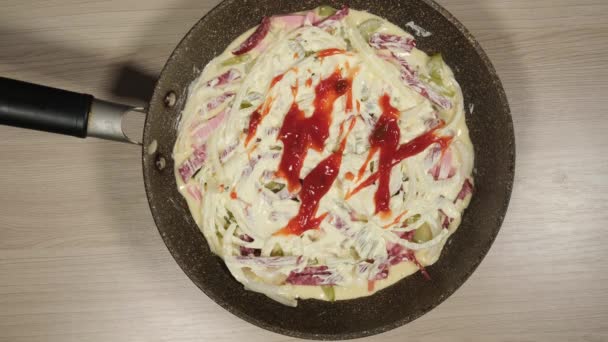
<point x="509" y="128"/>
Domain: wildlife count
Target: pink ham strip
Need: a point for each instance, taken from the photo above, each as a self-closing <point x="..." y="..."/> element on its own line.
<point x="392" y="42"/>
<point x="332" y="19"/>
<point x="245" y="251"/>
<point x="382" y="272"/>
<point x="290" y="22"/>
<point x="311" y="17"/>
<point x="467" y="189"/>
<point x="443" y="168"/>
<point x="194" y="163"/>
<point x="195" y="193"/>
<point x="270" y="261"/>
<point x="198" y="157"/>
<point x="433" y="123"/>
<point x="225" y="78"/>
<point x="398" y="253"/>
<point x="256" y="37"/>
<point x="312" y="275"/>
<point x="408" y="236"/>
<point x="216" y="102"/>
<point x="410" y="77"/>
<point x="446" y="220"/>
<point x="246" y="238"/>
<point x="204" y="130"/>
<point x="294" y="21"/>
<point x="227" y="151"/>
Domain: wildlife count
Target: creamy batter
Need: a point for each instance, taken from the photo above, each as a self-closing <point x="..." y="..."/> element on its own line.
<point x="323" y="156"/>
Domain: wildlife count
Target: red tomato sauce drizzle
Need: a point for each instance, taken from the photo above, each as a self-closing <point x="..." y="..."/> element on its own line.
<point x="300" y="133"/>
<point x="330" y="52"/>
<point x="256" y="117"/>
<point x="385" y="138"/>
<point x="276" y="80"/>
<point x="254" y="121"/>
<point x="349" y="176"/>
<point x="397" y="220"/>
<point x="316" y="185"/>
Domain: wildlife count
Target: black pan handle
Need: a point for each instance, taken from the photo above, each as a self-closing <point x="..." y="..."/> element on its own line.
<point x="33" y="106"/>
<point x="42" y="108"/>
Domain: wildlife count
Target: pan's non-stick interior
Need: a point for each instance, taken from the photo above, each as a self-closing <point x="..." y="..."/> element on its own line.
<point x="491" y="132"/>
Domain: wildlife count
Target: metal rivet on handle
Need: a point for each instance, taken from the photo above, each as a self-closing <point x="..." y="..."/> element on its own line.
<point x="170" y="99"/>
<point x="160" y="162"/>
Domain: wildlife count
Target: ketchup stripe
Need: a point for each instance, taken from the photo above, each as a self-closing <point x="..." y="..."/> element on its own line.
<point x="385" y="138"/>
<point x="316" y="185"/>
<point x="299" y="133"/>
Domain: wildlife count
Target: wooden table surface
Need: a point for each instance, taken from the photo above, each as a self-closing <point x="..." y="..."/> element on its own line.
<point x="81" y="259"/>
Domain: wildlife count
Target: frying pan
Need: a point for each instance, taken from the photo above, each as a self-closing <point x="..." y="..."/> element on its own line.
<point x="491" y="130"/>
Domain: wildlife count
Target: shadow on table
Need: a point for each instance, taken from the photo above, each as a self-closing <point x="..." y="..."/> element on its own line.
<point x="128" y="80"/>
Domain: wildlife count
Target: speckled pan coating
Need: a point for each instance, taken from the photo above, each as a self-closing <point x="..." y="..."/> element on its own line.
<point x="491" y="130"/>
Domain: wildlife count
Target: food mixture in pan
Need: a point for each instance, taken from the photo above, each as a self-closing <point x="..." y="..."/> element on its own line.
<point x="324" y="156"/>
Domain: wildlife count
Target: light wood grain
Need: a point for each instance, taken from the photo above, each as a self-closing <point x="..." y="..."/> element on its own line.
<point x="81" y="260"/>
